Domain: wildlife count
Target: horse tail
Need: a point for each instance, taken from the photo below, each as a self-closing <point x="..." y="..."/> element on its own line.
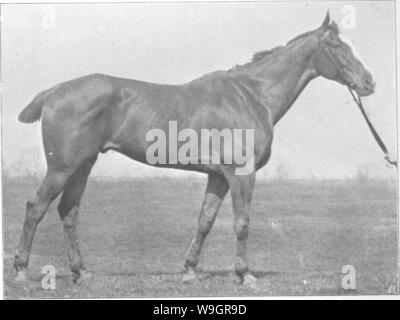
<point x="33" y="111"/>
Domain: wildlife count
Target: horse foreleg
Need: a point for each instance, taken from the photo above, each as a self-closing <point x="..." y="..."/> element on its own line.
<point x="217" y="187"/>
<point x="68" y="209"/>
<point x="242" y="190"/>
<point x="51" y="187"/>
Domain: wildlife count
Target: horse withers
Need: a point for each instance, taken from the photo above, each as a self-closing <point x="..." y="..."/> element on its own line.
<point x="96" y="113"/>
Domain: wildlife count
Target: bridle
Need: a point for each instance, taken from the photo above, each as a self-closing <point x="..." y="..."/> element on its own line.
<point x="358" y="102"/>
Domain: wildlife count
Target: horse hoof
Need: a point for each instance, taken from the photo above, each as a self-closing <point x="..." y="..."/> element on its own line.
<point x="78" y="278"/>
<point x="250" y="281"/>
<point x="190" y="275"/>
<point x="21" y="277"/>
<point x="247" y="280"/>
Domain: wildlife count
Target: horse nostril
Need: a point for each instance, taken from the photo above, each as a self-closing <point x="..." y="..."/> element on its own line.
<point x="369" y="84"/>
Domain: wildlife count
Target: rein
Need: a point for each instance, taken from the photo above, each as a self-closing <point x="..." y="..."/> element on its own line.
<point x="371" y="127"/>
<point x="358" y="102"/>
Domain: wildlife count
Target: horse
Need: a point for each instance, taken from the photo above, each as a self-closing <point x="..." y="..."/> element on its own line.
<point x="96" y="113"/>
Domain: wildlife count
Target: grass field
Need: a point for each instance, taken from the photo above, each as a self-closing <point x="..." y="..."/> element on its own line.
<point x="134" y="235"/>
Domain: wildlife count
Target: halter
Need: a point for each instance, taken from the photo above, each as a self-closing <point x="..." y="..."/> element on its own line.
<point x="358" y="101"/>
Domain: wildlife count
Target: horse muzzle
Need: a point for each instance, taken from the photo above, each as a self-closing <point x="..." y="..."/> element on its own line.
<point x="366" y="89"/>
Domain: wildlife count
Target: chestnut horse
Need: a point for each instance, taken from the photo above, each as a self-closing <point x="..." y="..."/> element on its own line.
<point x="96" y="113"/>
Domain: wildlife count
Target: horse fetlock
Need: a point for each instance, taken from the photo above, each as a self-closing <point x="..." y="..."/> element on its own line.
<point x="75" y="277"/>
<point x="19" y="262"/>
<point x="191" y="262"/>
<point x="76" y="265"/>
<point x="241" y="267"/>
<point x="79" y="273"/>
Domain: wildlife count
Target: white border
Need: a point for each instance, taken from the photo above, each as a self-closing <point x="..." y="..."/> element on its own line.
<point x="345" y="297"/>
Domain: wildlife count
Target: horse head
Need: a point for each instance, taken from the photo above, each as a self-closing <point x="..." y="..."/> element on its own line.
<point x="337" y="59"/>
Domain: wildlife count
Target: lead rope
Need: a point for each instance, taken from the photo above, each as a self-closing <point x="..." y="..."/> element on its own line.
<point x="372" y="129"/>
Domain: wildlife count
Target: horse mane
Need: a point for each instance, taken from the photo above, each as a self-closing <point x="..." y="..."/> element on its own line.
<point x="260" y="55"/>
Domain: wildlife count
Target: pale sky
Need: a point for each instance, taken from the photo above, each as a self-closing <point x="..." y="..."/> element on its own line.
<point x="322" y="136"/>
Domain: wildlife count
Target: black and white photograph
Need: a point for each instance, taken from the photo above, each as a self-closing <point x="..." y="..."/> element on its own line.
<point x="199" y="149"/>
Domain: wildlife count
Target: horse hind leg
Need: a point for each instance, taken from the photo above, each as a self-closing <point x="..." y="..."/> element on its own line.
<point x="217" y="187"/>
<point x="68" y="209"/>
<point x="50" y="188"/>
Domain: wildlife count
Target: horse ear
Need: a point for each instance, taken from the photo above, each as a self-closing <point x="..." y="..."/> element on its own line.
<point x="334" y="27"/>
<point x="327" y="20"/>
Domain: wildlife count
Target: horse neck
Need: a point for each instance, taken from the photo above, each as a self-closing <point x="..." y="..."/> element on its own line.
<point x="285" y="75"/>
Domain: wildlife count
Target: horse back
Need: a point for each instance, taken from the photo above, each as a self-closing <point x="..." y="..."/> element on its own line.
<point x="96" y="113"/>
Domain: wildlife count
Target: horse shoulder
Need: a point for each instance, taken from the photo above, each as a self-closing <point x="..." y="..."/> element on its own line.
<point x="260" y="116"/>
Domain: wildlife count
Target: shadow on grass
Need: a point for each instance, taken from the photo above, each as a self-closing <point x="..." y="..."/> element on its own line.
<point x="203" y="274"/>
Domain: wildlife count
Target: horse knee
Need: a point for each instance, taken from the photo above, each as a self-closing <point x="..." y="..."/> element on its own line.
<point x="242" y="228"/>
<point x="33" y="213"/>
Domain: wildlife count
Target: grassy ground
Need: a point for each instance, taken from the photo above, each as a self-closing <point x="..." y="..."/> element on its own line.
<point x="134" y="235"/>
